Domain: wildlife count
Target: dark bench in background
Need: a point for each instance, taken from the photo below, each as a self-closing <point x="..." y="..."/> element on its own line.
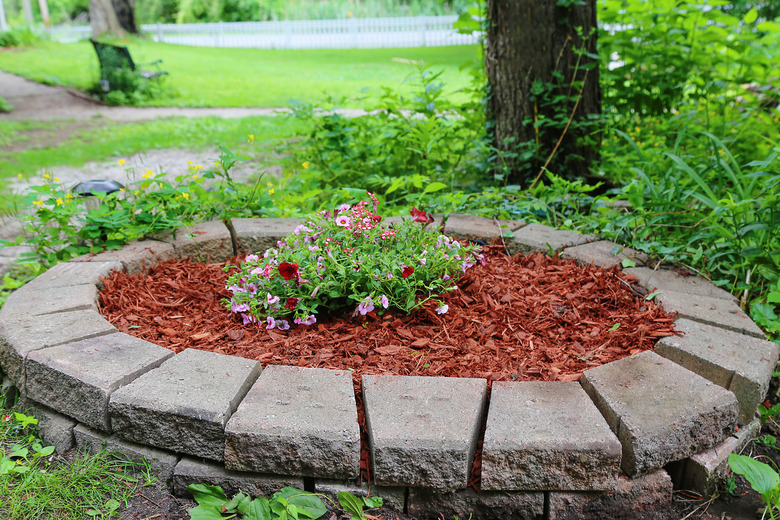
<point x="114" y="58"/>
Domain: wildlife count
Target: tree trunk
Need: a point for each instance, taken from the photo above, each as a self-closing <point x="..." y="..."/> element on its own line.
<point x="538" y="77"/>
<point x="114" y="17"/>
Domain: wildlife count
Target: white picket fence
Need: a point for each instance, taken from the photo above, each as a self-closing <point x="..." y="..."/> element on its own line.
<point x="367" y="33"/>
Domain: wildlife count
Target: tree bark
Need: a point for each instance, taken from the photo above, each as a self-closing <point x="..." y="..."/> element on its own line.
<point x="114" y="17"/>
<point x="538" y="77"/>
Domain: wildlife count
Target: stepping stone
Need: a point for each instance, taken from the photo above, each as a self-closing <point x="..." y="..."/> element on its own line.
<point x="203" y="242"/>
<point x="253" y="235"/>
<point x="21" y="334"/>
<point x="467" y="504"/>
<point x="34" y="301"/>
<point x="296" y="421"/>
<point x="184" y="404"/>
<point x="740" y="363"/>
<point x="191" y="471"/>
<point x="547" y="436"/>
<point x="469" y="227"/>
<point x="545" y="239"/>
<point x="712" y="311"/>
<point x="135" y="256"/>
<point x="423" y="430"/>
<point x="667" y="280"/>
<point x="78" y="378"/>
<point x="75" y="273"/>
<point x="660" y="411"/>
<point x="604" y="254"/>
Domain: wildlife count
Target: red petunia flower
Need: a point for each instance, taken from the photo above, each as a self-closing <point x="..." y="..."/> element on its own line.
<point x="419" y="215"/>
<point x="291" y="303"/>
<point x="288" y="271"/>
<point x="407" y="271"/>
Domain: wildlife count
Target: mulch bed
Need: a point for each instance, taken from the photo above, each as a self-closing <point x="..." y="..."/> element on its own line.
<point x="517" y="318"/>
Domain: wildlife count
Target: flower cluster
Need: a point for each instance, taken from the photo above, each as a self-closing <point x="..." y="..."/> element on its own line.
<point x="348" y="260"/>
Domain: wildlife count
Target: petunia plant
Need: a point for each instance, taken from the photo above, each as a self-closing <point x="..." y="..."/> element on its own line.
<point x="348" y="260"/>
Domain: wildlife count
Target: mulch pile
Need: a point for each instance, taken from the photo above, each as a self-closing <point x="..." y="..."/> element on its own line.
<point x="517" y="318"/>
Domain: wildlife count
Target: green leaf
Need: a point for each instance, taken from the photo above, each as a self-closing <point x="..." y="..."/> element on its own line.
<point x="309" y="504"/>
<point x="350" y="503"/>
<point x="373" y="502"/>
<point x="652" y="295"/>
<point x="207" y="512"/>
<point x="616" y="326"/>
<point x="258" y="509"/>
<point x="762" y="477"/>
<point x="207" y="495"/>
<point x="627" y="262"/>
<point x="434" y="186"/>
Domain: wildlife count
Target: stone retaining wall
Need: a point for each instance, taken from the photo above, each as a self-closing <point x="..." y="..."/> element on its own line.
<point x="548" y="448"/>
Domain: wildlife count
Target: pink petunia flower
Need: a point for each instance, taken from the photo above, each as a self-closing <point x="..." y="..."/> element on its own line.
<point x="442" y="308"/>
<point x="365" y="306"/>
<point x="343" y="221"/>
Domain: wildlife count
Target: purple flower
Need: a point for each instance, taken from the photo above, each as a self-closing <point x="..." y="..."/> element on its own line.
<point x="252" y="258"/>
<point x="423" y="260"/>
<point x="442" y="308"/>
<point x="383" y="301"/>
<point x="365" y="306"/>
<point x="248" y="318"/>
<point x="302" y="229"/>
<point x="310" y="320"/>
<point x="343" y="221"/>
<point x="271" y="299"/>
<point x="235" y="289"/>
<point x="271" y="322"/>
<point x="239" y="307"/>
<point x="343" y="208"/>
<point x="445" y="277"/>
<point x="282" y="325"/>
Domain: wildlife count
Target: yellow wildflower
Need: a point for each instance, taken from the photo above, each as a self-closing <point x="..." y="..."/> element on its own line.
<point x="38" y="203"/>
<point x="60" y="201"/>
<point x="185" y="196"/>
<point x="19" y="175"/>
<point x="195" y="177"/>
<point x="189" y="162"/>
<point x="349" y="14"/>
<point x="46" y="176"/>
<point x="199" y="167"/>
<point x="68" y="195"/>
<point x="251" y="138"/>
<point x="305" y="165"/>
<point x="271" y="191"/>
<point x="147" y="174"/>
<point x="56" y="179"/>
<point x="121" y="162"/>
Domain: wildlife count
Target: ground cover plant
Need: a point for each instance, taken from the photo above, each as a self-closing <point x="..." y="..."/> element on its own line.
<point x="39" y="484"/>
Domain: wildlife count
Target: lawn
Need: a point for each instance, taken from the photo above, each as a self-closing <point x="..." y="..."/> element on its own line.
<point x="218" y="77"/>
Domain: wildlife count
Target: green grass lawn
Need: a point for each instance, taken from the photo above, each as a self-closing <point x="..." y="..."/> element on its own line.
<point x="214" y="77"/>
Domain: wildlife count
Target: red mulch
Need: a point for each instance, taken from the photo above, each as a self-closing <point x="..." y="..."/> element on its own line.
<point x="517" y="318"/>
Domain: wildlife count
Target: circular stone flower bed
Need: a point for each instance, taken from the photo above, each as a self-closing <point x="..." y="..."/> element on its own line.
<point x="548" y="446"/>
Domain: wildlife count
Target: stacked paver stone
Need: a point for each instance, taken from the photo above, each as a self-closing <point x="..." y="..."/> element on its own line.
<point x="547" y="448"/>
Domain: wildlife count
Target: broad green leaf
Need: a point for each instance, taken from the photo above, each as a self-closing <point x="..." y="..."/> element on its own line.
<point x="373" y="502"/>
<point x="207" y="512"/>
<point x="627" y="262"/>
<point x="350" y="503"/>
<point x="310" y="504"/>
<point x="616" y="326"/>
<point x="258" y="509"/>
<point x="204" y="494"/>
<point x="762" y="477"/>
<point x="434" y="186"/>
